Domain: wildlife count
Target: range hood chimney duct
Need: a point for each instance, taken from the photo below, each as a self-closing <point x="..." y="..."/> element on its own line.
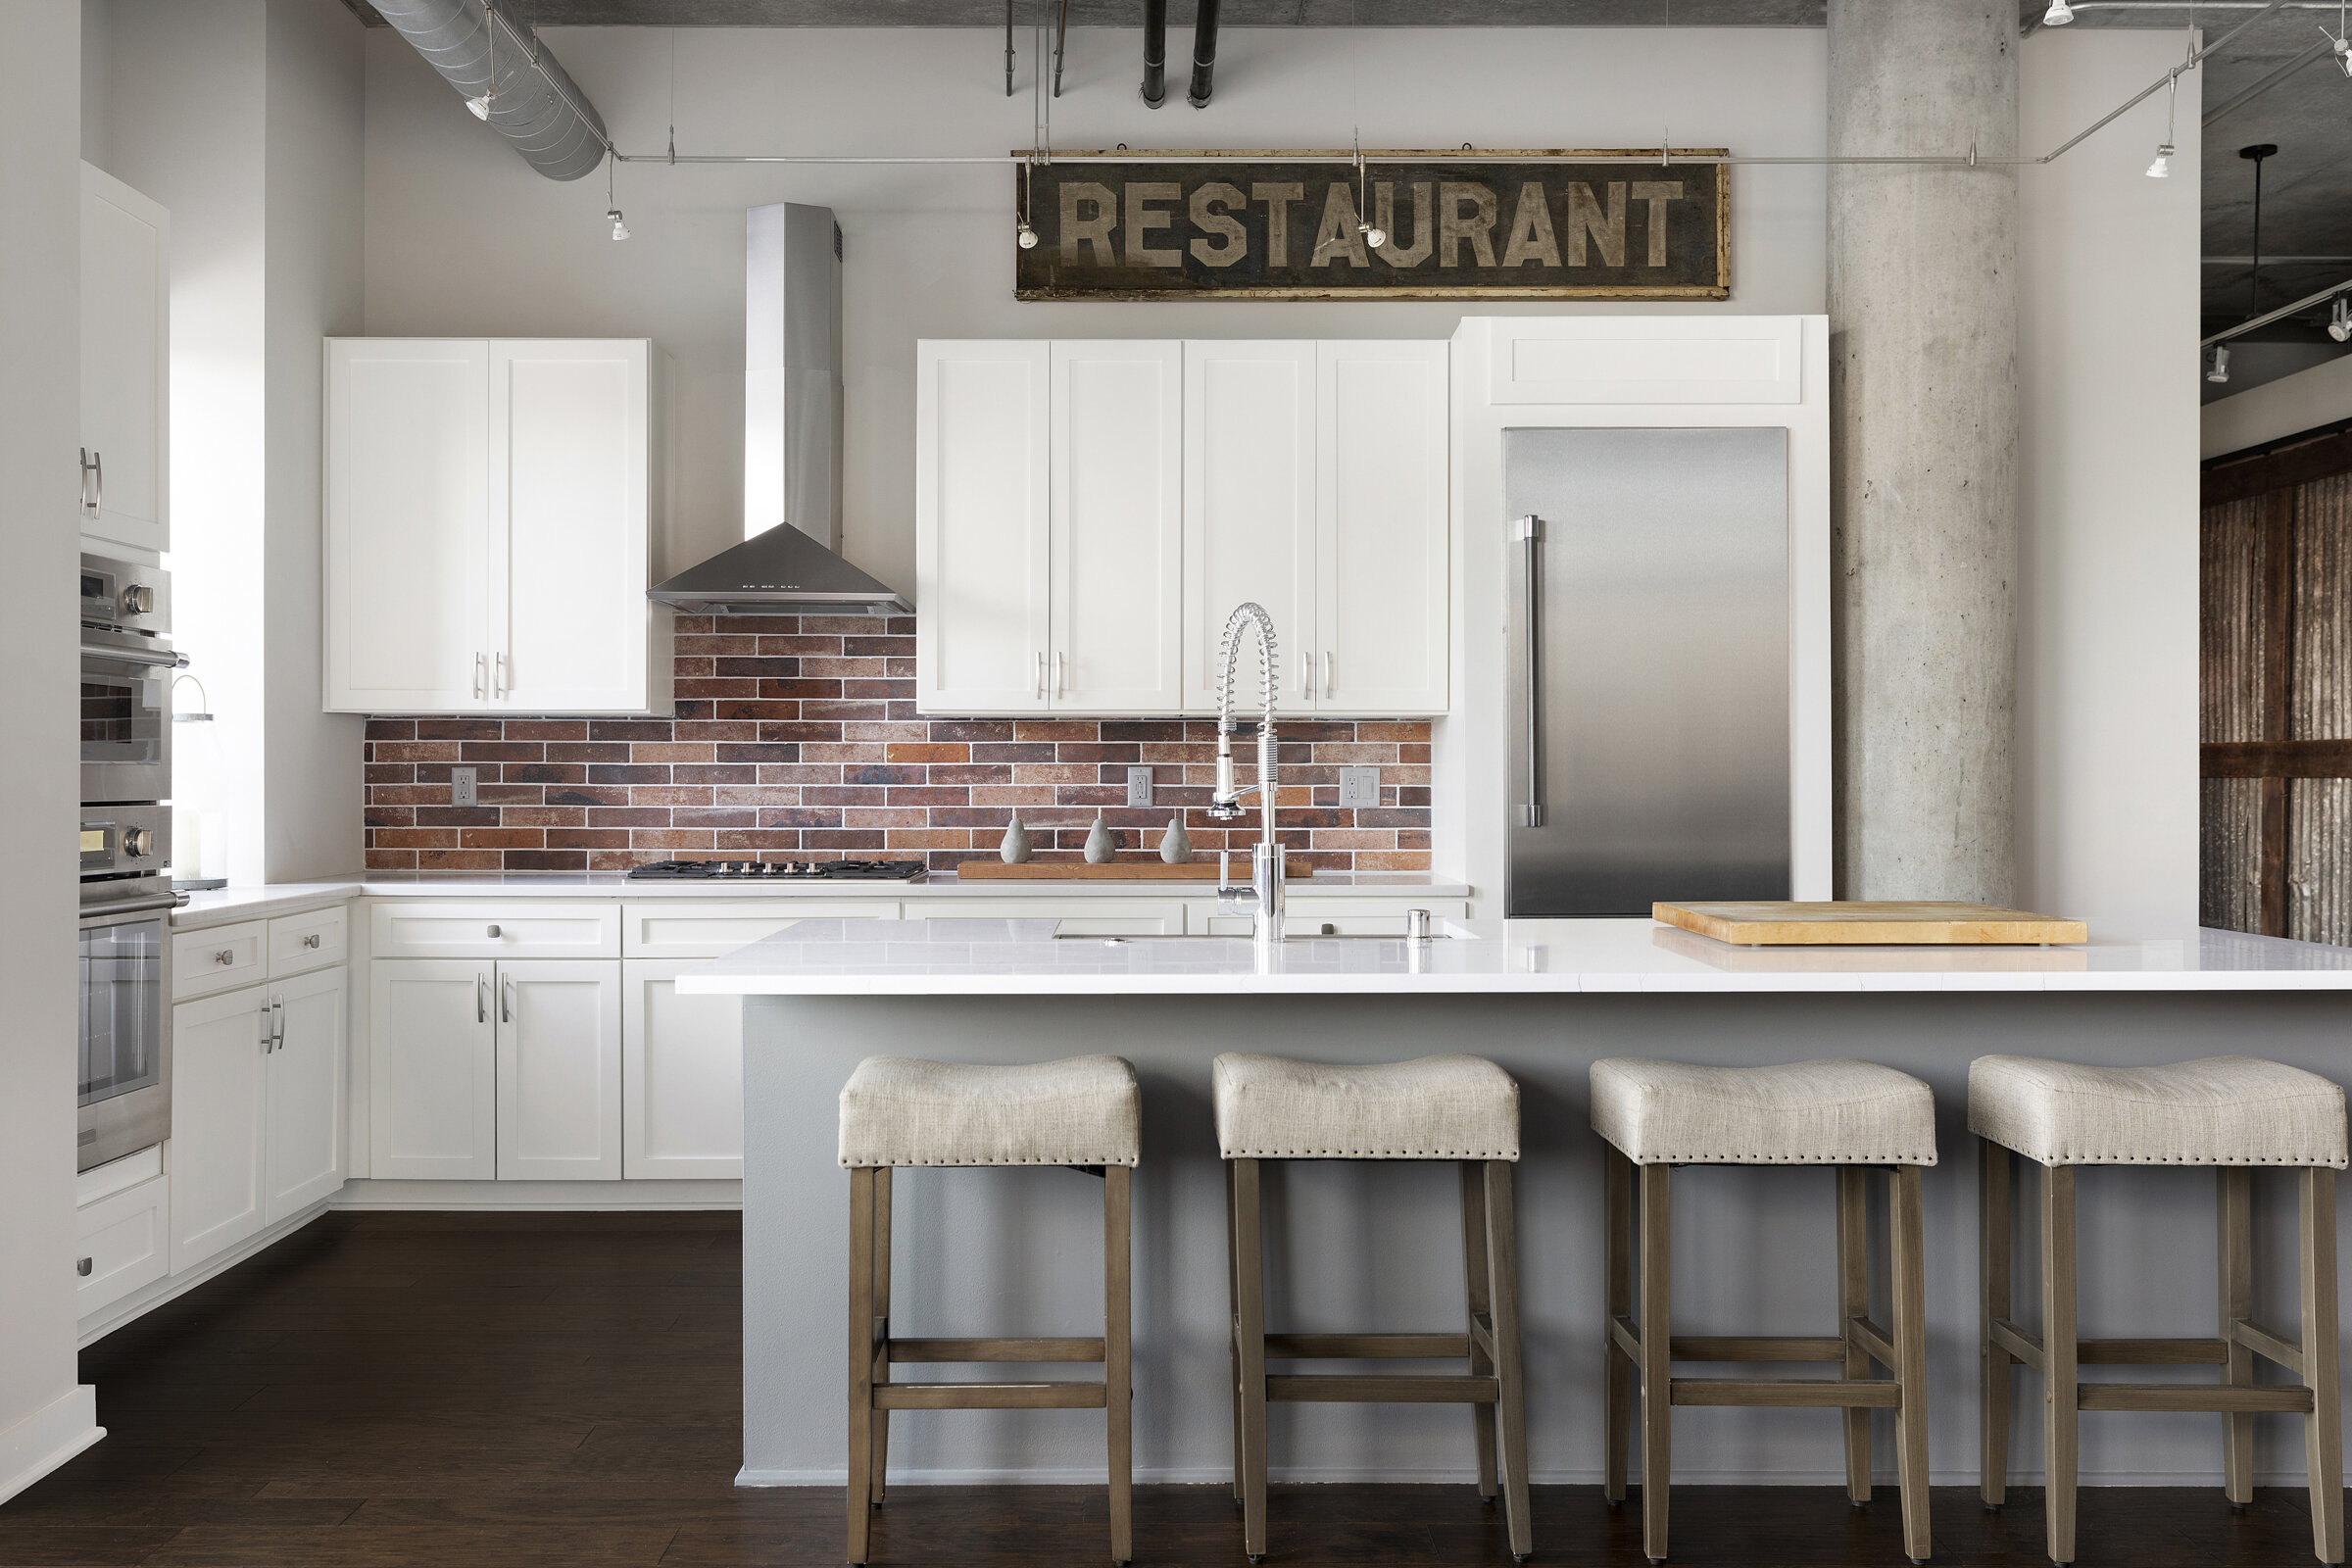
<point x="1204" y="54"/>
<point x="535" y="103"/>
<point x="1156" y="52"/>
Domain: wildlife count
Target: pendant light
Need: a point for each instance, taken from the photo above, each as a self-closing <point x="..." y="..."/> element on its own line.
<point x="620" y="228"/>
<point x="483" y="102"/>
<point x="2162" y="168"/>
<point x="1373" y="236"/>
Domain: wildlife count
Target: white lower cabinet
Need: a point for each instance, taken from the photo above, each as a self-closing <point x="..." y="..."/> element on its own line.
<point x="505" y="1069"/>
<point x="681" y="1078"/>
<point x="122" y="1242"/>
<point x="219" y="1111"/>
<point x="304" y="1136"/>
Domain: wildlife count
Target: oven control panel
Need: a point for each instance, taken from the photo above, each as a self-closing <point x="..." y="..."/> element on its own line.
<point x="124" y="596"/>
<point x="119" y="841"/>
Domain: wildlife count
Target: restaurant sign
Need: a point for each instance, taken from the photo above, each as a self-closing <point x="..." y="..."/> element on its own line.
<point x="1455" y="225"/>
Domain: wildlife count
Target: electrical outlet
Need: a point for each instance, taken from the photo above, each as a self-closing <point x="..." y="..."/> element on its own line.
<point x="1139" y="786"/>
<point x="461" y="786"/>
<point x="1359" y="786"/>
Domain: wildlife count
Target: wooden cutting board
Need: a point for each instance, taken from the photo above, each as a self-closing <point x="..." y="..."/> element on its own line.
<point x="1779" y="924"/>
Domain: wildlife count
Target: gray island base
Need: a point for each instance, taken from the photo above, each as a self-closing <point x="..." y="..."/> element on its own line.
<point x="1370" y="1247"/>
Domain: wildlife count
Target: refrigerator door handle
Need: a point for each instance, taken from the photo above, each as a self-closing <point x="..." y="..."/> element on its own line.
<point x="1529" y="532"/>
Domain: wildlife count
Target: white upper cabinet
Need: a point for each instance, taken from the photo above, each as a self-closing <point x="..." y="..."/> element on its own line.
<point x="1115" y="557"/>
<point x="126" y="364"/>
<point x="980" y="484"/>
<point x="1249" y="510"/>
<point x="1381" y="544"/>
<point x="489" y="524"/>
<point x="1181" y="479"/>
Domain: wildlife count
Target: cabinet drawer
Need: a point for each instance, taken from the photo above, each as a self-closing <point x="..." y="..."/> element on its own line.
<point x="1084" y="917"/>
<point x="121" y="1242"/>
<point x="220" y="959"/>
<point x="543" y="928"/>
<point x="682" y="930"/>
<point x="1347" y="917"/>
<point x="300" y="942"/>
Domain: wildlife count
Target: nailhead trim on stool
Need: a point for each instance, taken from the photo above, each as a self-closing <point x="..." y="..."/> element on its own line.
<point x="1801" y="1113"/>
<point x="2218" y="1111"/>
<point x="1435" y="1107"/>
<point x="903" y="1110"/>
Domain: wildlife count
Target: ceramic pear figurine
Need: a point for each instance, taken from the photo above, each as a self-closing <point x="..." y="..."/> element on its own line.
<point x="1176" y="845"/>
<point x="1099" y="845"/>
<point x="1015" y="847"/>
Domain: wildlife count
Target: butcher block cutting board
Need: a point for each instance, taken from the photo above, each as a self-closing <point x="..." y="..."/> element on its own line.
<point x="1777" y="924"/>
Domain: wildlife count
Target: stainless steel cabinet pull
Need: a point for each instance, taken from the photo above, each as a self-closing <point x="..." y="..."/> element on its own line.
<point x="311" y="940"/>
<point x="1041" y="674"/>
<point x="1327" y="672"/>
<point x="85" y="495"/>
<point x="481" y="670"/>
<point x="505" y="999"/>
<point x="1529" y="531"/>
<point x="1307" y="673"/>
<point x="493" y="931"/>
<point x="499" y="682"/>
<point x="481" y="999"/>
<point x="81" y="1266"/>
<point x="269" y="1034"/>
<point x="225" y="957"/>
<point x="277" y="1014"/>
<point x="98" y="489"/>
<point x="1061" y="674"/>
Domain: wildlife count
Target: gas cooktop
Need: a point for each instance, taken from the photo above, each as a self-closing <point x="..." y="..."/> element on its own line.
<point x="779" y="871"/>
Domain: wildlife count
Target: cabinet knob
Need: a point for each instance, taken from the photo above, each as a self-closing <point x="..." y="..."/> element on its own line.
<point x="494" y="931"/>
<point x="311" y="940"/>
<point x="225" y="957"/>
<point x="81" y="1266"/>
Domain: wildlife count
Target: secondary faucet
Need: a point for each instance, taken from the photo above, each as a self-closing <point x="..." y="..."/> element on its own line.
<point x="1264" y="891"/>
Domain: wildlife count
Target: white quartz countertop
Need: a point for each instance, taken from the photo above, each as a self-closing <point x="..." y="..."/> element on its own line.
<point x="1023" y="957"/>
<point x="221" y="905"/>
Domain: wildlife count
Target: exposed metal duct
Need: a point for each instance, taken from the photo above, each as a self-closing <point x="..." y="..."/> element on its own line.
<point x="1205" y="53"/>
<point x="1156" y="52"/>
<point x="533" y="103"/>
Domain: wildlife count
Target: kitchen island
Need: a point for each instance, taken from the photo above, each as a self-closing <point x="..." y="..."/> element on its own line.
<point x="1377" y="1247"/>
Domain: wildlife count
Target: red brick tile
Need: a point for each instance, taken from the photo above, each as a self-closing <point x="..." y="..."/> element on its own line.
<point x="1391" y="860"/>
<point x="670" y="839"/>
<point x="929" y="752"/>
<point x="501" y="837"/>
<point x="391" y="859"/>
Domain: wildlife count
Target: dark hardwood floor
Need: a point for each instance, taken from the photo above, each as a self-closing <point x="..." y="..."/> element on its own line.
<point x="507" y="1392"/>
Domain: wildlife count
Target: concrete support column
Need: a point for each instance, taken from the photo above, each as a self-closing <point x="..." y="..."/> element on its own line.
<point x="1923" y="325"/>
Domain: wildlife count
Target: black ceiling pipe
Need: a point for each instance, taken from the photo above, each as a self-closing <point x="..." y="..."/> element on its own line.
<point x="1205" y="53"/>
<point x="1156" y="52"/>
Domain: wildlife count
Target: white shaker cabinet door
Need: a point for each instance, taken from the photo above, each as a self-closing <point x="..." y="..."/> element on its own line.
<point x="432" y="1071"/>
<point x="1380" y="534"/>
<point x="567" y="573"/>
<point x="980" y="527"/>
<point x="558" y="1070"/>
<point x="219" y="1113"/>
<point x="1116" y="536"/>
<point x="1248" y="511"/>
<point x="681" y="1078"/>
<point x="307" y="1158"/>
<point x="408" y="526"/>
<point x="126" y="364"/>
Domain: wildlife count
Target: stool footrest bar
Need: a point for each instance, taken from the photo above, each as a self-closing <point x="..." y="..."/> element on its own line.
<point x="2270" y="1346"/>
<point x="1364" y="1347"/>
<point x="965" y="1350"/>
<point x="1795" y="1392"/>
<point x="1369" y="1390"/>
<point x="989" y="1396"/>
<point x="1755" y="1347"/>
<point x="2191" y="1397"/>
<point x="2209" y="1351"/>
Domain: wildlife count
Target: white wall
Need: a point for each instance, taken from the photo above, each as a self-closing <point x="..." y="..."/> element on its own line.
<point x="464" y="238"/>
<point x="45" y="1417"/>
<point x="2275" y="410"/>
<point x="2107" y="647"/>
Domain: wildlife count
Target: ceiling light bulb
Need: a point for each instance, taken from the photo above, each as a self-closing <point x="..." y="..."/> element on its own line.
<point x="2162" y="168"/>
<point x="620" y="230"/>
<point x="2339" y="325"/>
<point x="2219" y="373"/>
<point x="2059" y="14"/>
<point x="2343" y="54"/>
<point x="480" y="105"/>
<point x="1374" y="237"/>
<point x="1026" y="237"/>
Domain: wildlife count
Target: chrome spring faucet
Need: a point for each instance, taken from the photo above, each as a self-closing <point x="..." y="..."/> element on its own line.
<point x="1265" y="891"/>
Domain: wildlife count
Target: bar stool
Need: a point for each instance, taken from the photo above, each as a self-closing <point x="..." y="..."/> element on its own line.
<point x="2232" y="1113"/>
<point x="1850" y="1114"/>
<point x="899" y="1110"/>
<point x="1459" y="1108"/>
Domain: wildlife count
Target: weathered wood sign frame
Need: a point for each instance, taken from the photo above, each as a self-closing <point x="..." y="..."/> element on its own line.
<point x="1271" y="225"/>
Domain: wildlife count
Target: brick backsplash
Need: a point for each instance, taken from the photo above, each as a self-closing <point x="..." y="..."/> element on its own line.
<point x="795" y="738"/>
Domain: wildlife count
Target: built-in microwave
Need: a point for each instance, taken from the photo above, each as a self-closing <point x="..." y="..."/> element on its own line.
<point x="127" y="667"/>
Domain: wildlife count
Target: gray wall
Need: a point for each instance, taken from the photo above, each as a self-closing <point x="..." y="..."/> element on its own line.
<point x="1373" y="1247"/>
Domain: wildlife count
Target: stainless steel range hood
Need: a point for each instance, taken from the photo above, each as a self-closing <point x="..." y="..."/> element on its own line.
<point x="792" y="420"/>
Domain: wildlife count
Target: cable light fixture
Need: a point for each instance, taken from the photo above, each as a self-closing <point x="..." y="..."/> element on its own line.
<point x="2218" y="369"/>
<point x="487" y="99"/>
<point x="2339" y="324"/>
<point x="620" y="228"/>
<point x="2059" y="14"/>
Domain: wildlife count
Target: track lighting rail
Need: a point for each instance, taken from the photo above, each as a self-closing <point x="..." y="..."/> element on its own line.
<point x="2281" y="313"/>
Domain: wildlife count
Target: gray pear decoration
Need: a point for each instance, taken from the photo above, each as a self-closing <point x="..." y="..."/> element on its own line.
<point x="1176" y="845"/>
<point x="1015" y="847"/>
<point x="1099" y="845"/>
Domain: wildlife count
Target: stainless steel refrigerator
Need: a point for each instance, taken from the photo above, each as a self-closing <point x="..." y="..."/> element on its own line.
<point x="1650" y="659"/>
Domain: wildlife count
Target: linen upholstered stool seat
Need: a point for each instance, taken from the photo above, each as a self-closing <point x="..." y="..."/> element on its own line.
<point x="1851" y="1116"/>
<point x="2234" y="1113"/>
<point x="1459" y="1108"/>
<point x="1085" y="1112"/>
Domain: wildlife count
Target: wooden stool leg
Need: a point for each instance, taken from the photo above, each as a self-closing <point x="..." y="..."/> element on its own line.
<point x="1995" y="1303"/>
<point x="1250" y="1265"/>
<point x="2234" y="1233"/>
<point x="2059" y="1421"/>
<point x="861" y="1358"/>
<point x="1618" y="1378"/>
<point x="2323" y="1428"/>
<point x="1853" y="1302"/>
<point x="1119" y="1389"/>
<point x="882" y="1312"/>
<point x="1906" y="1235"/>
<point x="1474" y="1281"/>
<point x="1233" y="1325"/>
<point x="1502" y="1255"/>
<point x="1657" y="1359"/>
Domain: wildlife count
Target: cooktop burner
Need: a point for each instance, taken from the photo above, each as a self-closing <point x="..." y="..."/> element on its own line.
<point x="779" y="871"/>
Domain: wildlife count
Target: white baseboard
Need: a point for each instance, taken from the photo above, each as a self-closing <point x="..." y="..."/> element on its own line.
<point x="99" y="1324"/>
<point x="48" y="1437"/>
<point x="1220" y="1475"/>
<point x="540" y="1197"/>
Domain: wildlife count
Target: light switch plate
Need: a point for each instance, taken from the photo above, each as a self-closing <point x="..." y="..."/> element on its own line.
<point x="1359" y="786"/>
<point x="1139" y="786"/>
<point x="461" y="786"/>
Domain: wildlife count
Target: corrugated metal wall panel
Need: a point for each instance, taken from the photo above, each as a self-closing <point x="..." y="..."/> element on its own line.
<point x="2319" y="664"/>
<point x="2318" y="871"/>
<point x="2229" y="868"/>
<point x="2229" y="692"/>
